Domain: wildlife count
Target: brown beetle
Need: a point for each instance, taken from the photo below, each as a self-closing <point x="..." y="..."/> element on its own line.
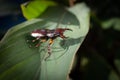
<point x="45" y="34"/>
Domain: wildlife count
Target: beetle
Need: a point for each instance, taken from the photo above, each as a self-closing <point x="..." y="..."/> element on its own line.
<point x="44" y="34"/>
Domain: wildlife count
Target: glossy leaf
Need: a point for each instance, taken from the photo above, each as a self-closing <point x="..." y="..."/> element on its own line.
<point x="33" y="9"/>
<point x="19" y="61"/>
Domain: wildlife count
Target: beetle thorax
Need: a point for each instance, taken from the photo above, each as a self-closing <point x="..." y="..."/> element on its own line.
<point x="50" y="35"/>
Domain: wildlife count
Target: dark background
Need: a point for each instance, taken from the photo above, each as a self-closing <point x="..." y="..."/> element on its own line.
<point x="101" y="46"/>
<point x="10" y="14"/>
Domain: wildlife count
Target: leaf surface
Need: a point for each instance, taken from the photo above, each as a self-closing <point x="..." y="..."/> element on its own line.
<point x="33" y="9"/>
<point x="19" y="61"/>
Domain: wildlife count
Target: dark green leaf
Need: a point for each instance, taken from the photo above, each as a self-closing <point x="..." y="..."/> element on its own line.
<point x="19" y="61"/>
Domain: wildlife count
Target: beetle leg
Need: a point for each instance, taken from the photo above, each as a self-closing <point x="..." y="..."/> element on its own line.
<point x="49" y="49"/>
<point x="51" y="41"/>
<point x="42" y="40"/>
<point x="37" y="45"/>
<point x="35" y="39"/>
<point x="62" y="36"/>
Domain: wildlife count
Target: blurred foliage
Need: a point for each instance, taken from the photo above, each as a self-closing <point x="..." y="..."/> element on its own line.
<point x="102" y="44"/>
<point x="112" y="23"/>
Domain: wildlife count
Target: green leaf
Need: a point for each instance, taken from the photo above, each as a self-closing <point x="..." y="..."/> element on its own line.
<point x="33" y="9"/>
<point x="113" y="76"/>
<point x="19" y="61"/>
<point x="114" y="22"/>
<point x="116" y="74"/>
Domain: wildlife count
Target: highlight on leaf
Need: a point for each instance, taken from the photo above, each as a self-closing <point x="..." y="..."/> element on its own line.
<point x="34" y="8"/>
